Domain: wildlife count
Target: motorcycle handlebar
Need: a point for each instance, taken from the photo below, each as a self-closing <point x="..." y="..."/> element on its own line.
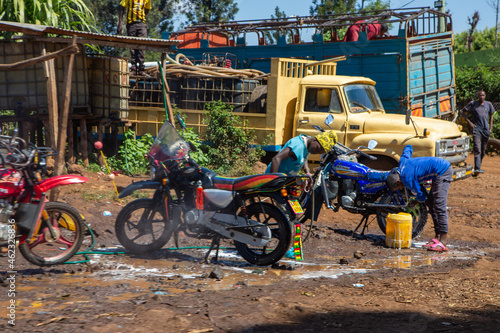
<point x="370" y="157"/>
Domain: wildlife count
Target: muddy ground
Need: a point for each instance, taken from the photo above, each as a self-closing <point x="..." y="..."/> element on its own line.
<point x="375" y="289"/>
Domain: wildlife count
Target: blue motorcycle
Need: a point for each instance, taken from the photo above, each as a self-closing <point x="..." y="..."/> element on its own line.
<point x="341" y="182"/>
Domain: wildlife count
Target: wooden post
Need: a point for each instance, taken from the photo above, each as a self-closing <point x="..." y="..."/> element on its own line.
<point x="83" y="142"/>
<point x="100" y="137"/>
<point x="32" y="131"/>
<point x="51" y="125"/>
<point x="63" y="120"/>
<point x="71" y="143"/>
<point x="39" y="135"/>
<point x="114" y="139"/>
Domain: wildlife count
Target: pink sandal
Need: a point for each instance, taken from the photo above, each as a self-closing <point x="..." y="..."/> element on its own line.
<point x="430" y="243"/>
<point x="438" y="247"/>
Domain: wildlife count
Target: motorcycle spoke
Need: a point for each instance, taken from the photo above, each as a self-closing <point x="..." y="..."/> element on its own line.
<point x="64" y="241"/>
<point x="40" y="239"/>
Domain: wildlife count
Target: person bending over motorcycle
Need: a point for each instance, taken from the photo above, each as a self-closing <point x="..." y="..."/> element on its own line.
<point x="293" y="156"/>
<point x="410" y="174"/>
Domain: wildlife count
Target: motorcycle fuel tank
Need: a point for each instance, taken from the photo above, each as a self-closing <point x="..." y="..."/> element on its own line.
<point x="348" y="169"/>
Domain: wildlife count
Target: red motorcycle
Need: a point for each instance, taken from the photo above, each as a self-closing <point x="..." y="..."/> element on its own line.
<point x="48" y="233"/>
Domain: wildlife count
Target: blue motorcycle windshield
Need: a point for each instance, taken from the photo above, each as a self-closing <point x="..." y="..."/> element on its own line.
<point x="168" y="145"/>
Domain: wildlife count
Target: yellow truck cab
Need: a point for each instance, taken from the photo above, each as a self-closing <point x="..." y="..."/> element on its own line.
<point x="359" y="117"/>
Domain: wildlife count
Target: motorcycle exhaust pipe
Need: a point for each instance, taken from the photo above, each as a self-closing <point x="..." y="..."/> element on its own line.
<point x="385" y="206"/>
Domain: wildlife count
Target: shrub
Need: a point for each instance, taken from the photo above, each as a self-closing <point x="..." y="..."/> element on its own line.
<point x="471" y="79"/>
<point x="228" y="141"/>
<point x="199" y="155"/>
<point x="131" y="157"/>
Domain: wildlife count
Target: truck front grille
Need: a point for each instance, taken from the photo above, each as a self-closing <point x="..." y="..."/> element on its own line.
<point x="453" y="150"/>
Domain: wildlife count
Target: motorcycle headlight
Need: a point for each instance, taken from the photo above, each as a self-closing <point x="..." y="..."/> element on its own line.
<point x="157" y="173"/>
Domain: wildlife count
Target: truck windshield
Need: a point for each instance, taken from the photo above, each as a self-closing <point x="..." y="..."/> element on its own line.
<point x="362" y="97"/>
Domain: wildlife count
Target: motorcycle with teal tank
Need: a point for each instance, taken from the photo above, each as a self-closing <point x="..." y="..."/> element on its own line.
<point x="194" y="201"/>
<point x="341" y="182"/>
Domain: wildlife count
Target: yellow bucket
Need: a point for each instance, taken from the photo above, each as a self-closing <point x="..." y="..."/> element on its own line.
<point x="398" y="231"/>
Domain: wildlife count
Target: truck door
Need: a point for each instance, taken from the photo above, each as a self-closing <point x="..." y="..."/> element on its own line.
<point x="317" y="103"/>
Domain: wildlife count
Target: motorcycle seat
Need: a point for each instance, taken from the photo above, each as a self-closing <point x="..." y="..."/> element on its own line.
<point x="377" y="175"/>
<point x="244" y="183"/>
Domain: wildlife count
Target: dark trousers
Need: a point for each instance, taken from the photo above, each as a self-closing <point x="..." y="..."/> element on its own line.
<point x="137" y="29"/>
<point x="480" y="144"/>
<point x="438" y="201"/>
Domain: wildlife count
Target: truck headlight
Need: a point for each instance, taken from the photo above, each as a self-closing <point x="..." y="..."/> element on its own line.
<point x="467" y="143"/>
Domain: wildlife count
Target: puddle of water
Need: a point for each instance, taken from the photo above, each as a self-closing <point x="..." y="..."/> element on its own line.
<point x="235" y="270"/>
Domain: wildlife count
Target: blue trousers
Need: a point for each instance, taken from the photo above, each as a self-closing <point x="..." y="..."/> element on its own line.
<point x="438" y="201"/>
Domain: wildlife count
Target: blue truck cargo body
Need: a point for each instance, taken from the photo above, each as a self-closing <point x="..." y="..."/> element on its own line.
<point x="412" y="71"/>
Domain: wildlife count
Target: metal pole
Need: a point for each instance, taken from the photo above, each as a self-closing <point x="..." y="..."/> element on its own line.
<point x="442" y="20"/>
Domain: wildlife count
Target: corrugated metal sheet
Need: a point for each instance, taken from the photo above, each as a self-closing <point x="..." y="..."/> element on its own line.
<point x="41" y="32"/>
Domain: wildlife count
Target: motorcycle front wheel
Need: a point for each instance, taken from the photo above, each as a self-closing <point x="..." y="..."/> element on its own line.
<point x="45" y="248"/>
<point x="141" y="226"/>
<point x="281" y="235"/>
<point x="419" y="218"/>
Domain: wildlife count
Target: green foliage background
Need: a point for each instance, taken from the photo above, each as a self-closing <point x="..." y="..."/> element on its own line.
<point x="471" y="79"/>
<point x="483" y="40"/>
<point x="131" y="157"/>
<point x="228" y="141"/>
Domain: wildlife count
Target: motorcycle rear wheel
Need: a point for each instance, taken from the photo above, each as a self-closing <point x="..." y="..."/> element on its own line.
<point x="281" y="235"/>
<point x="418" y="222"/>
<point x="44" y="251"/>
<point x="141" y="226"/>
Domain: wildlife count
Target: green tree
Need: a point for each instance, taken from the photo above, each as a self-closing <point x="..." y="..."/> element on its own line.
<point x="375" y="5"/>
<point x="329" y="7"/>
<point x="159" y="19"/>
<point x="471" y="79"/>
<point x="66" y="14"/>
<point x="336" y="7"/>
<point x="198" y="11"/>
<point x="482" y="40"/>
<point x="272" y="37"/>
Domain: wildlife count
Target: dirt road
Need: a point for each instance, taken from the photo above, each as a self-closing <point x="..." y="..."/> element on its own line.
<point x="375" y="289"/>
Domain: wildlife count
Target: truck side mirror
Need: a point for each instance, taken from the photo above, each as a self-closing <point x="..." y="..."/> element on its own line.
<point x="329" y="120"/>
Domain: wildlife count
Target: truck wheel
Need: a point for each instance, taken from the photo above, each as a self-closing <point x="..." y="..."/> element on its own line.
<point x="382" y="163"/>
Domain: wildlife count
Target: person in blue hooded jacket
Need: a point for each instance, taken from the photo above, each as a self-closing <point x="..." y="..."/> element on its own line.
<point x="410" y="174"/>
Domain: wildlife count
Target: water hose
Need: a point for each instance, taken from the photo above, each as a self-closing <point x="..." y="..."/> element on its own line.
<point x="89" y="250"/>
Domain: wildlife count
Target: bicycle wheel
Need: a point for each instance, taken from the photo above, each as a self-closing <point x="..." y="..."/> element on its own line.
<point x="141" y="226"/>
<point x="281" y="235"/>
<point x="419" y="218"/>
<point x="44" y="249"/>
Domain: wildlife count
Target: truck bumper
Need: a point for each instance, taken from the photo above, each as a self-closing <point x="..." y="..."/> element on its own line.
<point x="462" y="172"/>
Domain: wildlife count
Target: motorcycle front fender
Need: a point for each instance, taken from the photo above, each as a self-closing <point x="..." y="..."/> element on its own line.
<point x="52" y="182"/>
<point x="143" y="184"/>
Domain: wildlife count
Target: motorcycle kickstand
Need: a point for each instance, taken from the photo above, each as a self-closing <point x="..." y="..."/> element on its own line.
<point x="215" y="241"/>
<point x="365" y="220"/>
